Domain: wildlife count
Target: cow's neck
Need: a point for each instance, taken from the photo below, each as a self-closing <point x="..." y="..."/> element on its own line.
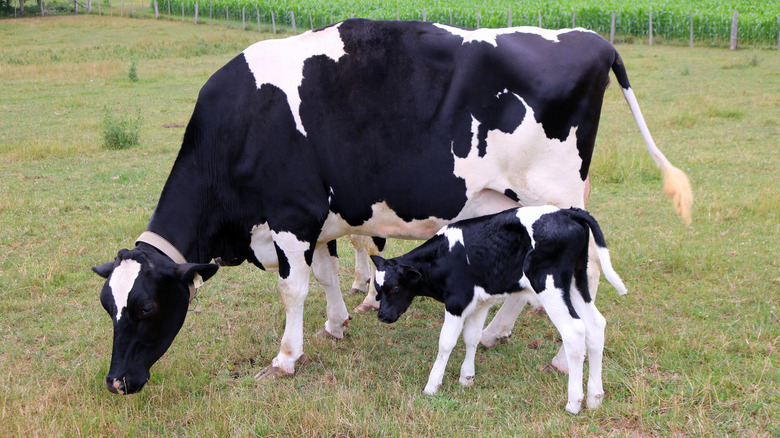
<point x="182" y="216"/>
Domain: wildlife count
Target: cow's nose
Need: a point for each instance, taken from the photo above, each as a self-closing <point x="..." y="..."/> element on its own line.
<point x="115" y="386"/>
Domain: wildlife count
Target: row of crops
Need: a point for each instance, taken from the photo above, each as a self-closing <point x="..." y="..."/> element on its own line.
<point x="759" y="21"/>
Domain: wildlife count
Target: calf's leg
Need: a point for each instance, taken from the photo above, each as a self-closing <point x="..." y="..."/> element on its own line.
<point x="501" y="325"/>
<point x="572" y="332"/>
<point x="450" y="331"/>
<point x="594" y="339"/>
<point x="472" y="331"/>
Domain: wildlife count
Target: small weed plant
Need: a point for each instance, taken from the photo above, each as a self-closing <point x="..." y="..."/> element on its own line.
<point x="119" y="130"/>
<point x="132" y="74"/>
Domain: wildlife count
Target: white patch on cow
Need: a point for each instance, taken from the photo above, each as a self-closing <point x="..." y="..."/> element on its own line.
<point x="121" y="282"/>
<point x="262" y="244"/>
<point x="379" y="277"/>
<point x="538" y="169"/>
<point x="481" y="297"/>
<point x="485" y="35"/>
<point x="384" y="222"/>
<point x="279" y="62"/>
<point x="453" y="235"/>
<point x="529" y="215"/>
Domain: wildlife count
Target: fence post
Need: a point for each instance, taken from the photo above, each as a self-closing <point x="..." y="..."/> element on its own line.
<point x="612" y="29"/>
<point x="257" y="11"/>
<point x="182" y="12"/>
<point x="311" y="22"/>
<point x="509" y="18"/>
<point x="450" y="17"/>
<point x="540" y="18"/>
<point x="99" y="11"/>
<point x="243" y="17"/>
<point x="132" y="9"/>
<point x="691" y="43"/>
<point x="110" y="9"/>
<point x="425" y="16"/>
<point x="156" y="11"/>
<point x="211" y="7"/>
<point x="573" y="19"/>
<point x="273" y="22"/>
<point x="479" y="15"/>
<point x="227" y="17"/>
<point x="651" y="26"/>
<point x="734" y="30"/>
<point x="169" y="10"/>
<point x="292" y="17"/>
<point x="196" y="12"/>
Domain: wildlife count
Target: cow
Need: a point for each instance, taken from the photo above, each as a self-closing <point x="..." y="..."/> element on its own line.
<point x="537" y="253"/>
<point x="379" y="128"/>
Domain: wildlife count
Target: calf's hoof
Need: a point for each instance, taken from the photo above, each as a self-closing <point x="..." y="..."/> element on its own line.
<point x="594" y="402"/>
<point x="356" y="291"/>
<point x="431" y="389"/>
<point x="492" y="341"/>
<point x="466" y="380"/>
<point x="574" y="407"/>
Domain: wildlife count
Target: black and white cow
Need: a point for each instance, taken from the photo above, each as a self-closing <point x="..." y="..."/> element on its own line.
<point x="537" y="253"/>
<point x="390" y="129"/>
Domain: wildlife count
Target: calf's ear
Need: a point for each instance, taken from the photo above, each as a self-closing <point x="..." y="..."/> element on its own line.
<point x="411" y="274"/>
<point x="104" y="270"/>
<point x="378" y="261"/>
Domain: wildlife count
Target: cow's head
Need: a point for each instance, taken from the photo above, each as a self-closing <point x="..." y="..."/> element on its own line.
<point x="396" y="284"/>
<point x="147" y="296"/>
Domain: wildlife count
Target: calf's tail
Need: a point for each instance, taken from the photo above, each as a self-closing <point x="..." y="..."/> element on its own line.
<point x="676" y="184"/>
<point x="584" y="218"/>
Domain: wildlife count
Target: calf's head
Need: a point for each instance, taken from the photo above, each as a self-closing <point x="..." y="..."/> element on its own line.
<point x="147" y="296"/>
<point x="396" y="284"/>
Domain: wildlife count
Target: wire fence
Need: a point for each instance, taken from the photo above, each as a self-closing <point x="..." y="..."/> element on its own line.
<point x="653" y="26"/>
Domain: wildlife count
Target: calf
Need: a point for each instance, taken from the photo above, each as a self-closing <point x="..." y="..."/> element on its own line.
<point x="542" y="252"/>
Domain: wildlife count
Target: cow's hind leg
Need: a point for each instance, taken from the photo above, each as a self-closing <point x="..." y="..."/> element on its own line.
<point x="325" y="267"/>
<point x="572" y="332"/>
<point x="450" y="331"/>
<point x="472" y="331"/>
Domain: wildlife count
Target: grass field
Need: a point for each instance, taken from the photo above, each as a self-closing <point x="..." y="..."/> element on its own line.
<point x="692" y="350"/>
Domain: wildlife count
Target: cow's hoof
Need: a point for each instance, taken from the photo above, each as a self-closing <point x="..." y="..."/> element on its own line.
<point x="356" y="291"/>
<point x="324" y="334"/>
<point x="574" y="407"/>
<point x="364" y="308"/>
<point x="551" y="369"/>
<point x="594" y="402"/>
<point x="272" y="373"/>
<point x="492" y="341"/>
<point x="560" y="366"/>
<point x="431" y="389"/>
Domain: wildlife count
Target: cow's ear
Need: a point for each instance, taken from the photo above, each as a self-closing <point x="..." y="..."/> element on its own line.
<point x="411" y="274"/>
<point x="104" y="270"/>
<point x="378" y="261"/>
<point x="187" y="271"/>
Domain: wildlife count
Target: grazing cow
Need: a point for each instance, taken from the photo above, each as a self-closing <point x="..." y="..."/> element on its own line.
<point x="390" y="129"/>
<point x="469" y="265"/>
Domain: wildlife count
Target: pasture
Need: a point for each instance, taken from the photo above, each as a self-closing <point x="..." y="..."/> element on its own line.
<point x="691" y="350"/>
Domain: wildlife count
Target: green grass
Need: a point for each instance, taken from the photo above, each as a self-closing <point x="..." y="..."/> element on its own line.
<point x="691" y="350"/>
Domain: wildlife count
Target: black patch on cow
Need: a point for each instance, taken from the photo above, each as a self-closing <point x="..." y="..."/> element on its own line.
<point x="332" y="249"/>
<point x="509" y="193"/>
<point x="379" y="242"/>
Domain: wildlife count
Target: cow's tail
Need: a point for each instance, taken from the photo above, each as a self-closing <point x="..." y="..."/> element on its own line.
<point x="676" y="184"/>
<point x="584" y="218"/>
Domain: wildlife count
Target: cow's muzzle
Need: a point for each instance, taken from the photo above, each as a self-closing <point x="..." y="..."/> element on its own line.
<point x="123" y="386"/>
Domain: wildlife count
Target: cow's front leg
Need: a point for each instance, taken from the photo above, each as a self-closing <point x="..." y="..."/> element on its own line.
<point x="293" y="289"/>
<point x="472" y="331"/>
<point x="500" y="328"/>
<point x="325" y="266"/>
<point x="450" y="331"/>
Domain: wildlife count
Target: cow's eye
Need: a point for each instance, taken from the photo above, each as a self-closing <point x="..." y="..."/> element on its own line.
<point x="394" y="290"/>
<point x="148" y="309"/>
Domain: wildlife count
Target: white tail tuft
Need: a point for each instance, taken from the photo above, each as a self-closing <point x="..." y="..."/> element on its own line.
<point x="609" y="272"/>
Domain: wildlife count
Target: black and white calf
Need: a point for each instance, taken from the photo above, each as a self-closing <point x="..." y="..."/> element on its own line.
<point x="542" y="252"/>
